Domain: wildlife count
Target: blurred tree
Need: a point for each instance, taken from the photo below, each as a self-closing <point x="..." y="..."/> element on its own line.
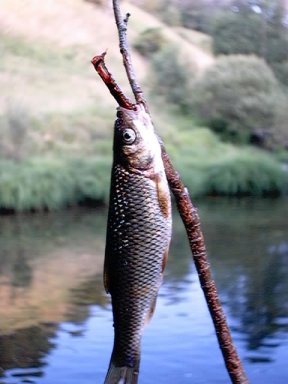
<point x="240" y="99"/>
<point x="254" y="27"/>
<point x="198" y="14"/>
<point x="150" y="42"/>
<point x="172" y="77"/>
<point x="237" y="34"/>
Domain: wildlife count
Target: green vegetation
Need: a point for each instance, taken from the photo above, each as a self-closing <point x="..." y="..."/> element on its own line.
<point x="150" y="41"/>
<point x="51" y="183"/>
<point x="56" y="118"/>
<point x="240" y="98"/>
<point x="172" y="79"/>
<point x="207" y="166"/>
<point x="194" y="14"/>
<point x="211" y="167"/>
<point x="246" y="174"/>
<point x="241" y="30"/>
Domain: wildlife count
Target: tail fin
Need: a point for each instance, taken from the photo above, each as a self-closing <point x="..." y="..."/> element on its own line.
<point x="122" y="375"/>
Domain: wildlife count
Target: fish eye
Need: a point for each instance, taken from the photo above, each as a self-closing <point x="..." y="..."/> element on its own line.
<point x="128" y="136"/>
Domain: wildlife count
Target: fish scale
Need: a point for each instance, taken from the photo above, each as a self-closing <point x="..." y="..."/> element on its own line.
<point x="137" y="264"/>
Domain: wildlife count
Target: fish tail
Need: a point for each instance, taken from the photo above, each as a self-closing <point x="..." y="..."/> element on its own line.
<point x="122" y="375"/>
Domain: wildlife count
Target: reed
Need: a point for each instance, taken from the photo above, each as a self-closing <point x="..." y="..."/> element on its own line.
<point x="246" y="173"/>
<point x="52" y="183"/>
<point x="207" y="165"/>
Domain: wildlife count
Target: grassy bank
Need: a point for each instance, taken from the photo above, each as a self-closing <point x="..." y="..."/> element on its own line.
<point x="211" y="167"/>
<point x="52" y="183"/>
<point x="206" y="165"/>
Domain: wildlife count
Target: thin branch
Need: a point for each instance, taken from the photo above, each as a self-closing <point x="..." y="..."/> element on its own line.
<point x="100" y="67"/>
<point x="192" y="225"/>
<point x="124" y="49"/>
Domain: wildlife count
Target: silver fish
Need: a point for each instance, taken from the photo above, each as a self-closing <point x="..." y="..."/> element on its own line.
<point x="138" y="237"/>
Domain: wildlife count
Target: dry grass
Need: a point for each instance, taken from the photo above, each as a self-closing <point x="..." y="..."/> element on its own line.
<point x="81" y="30"/>
<point x="194" y="54"/>
<point x="58" y="27"/>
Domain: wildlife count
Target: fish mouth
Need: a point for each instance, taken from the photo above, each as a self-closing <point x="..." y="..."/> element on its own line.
<point x="129" y="115"/>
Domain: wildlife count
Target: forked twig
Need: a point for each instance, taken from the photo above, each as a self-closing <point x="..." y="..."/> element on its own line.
<point x="99" y="65"/>
<point x="125" y="51"/>
<point x="185" y="207"/>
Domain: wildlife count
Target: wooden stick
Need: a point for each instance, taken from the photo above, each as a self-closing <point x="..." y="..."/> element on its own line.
<point x="100" y="67"/>
<point x="125" y="52"/>
<point x="187" y="212"/>
<point x="192" y="225"/>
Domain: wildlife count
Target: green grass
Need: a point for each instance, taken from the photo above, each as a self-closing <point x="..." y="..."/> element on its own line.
<point x="52" y="183"/>
<point x="206" y="165"/>
<point x="211" y="167"/>
<point x="44" y="53"/>
<point x="246" y="173"/>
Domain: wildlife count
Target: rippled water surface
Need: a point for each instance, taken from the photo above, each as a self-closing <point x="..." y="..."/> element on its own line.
<point x="55" y="318"/>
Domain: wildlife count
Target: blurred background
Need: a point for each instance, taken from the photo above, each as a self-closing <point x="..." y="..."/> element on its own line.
<point x="215" y="74"/>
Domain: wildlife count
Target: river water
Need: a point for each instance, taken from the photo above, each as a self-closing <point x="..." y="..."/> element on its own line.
<point x="55" y="318"/>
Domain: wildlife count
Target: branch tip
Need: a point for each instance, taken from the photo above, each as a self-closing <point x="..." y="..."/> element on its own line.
<point x="127" y="18"/>
<point x="100" y="67"/>
<point x="98" y="59"/>
<point x="121" y="24"/>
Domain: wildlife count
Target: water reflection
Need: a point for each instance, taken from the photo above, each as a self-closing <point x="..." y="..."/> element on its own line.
<point x="26" y="347"/>
<point x="53" y="305"/>
<point x="251" y="267"/>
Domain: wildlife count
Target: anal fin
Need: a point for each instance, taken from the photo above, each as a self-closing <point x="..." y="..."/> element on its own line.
<point x="122" y="375"/>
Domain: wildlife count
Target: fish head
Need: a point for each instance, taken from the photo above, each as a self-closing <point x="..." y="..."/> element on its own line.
<point x="136" y="145"/>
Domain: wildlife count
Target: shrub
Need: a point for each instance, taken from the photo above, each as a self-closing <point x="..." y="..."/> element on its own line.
<point x="14" y="125"/>
<point x="150" y="41"/>
<point x="278" y="138"/>
<point x="209" y="166"/>
<point x="196" y="14"/>
<point x="246" y="173"/>
<point x="52" y="183"/>
<point x="235" y="33"/>
<point x="172" y="78"/>
<point x="238" y="98"/>
<point x="281" y="71"/>
<point x="170" y="13"/>
<point x="240" y="30"/>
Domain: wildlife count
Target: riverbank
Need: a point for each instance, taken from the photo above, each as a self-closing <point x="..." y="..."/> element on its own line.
<point x="207" y="166"/>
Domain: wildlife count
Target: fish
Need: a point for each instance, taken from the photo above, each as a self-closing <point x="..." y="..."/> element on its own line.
<point x="138" y="237"/>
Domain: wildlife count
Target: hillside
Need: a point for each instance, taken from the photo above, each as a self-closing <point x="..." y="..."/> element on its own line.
<point x="56" y="115"/>
<point x="46" y="60"/>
